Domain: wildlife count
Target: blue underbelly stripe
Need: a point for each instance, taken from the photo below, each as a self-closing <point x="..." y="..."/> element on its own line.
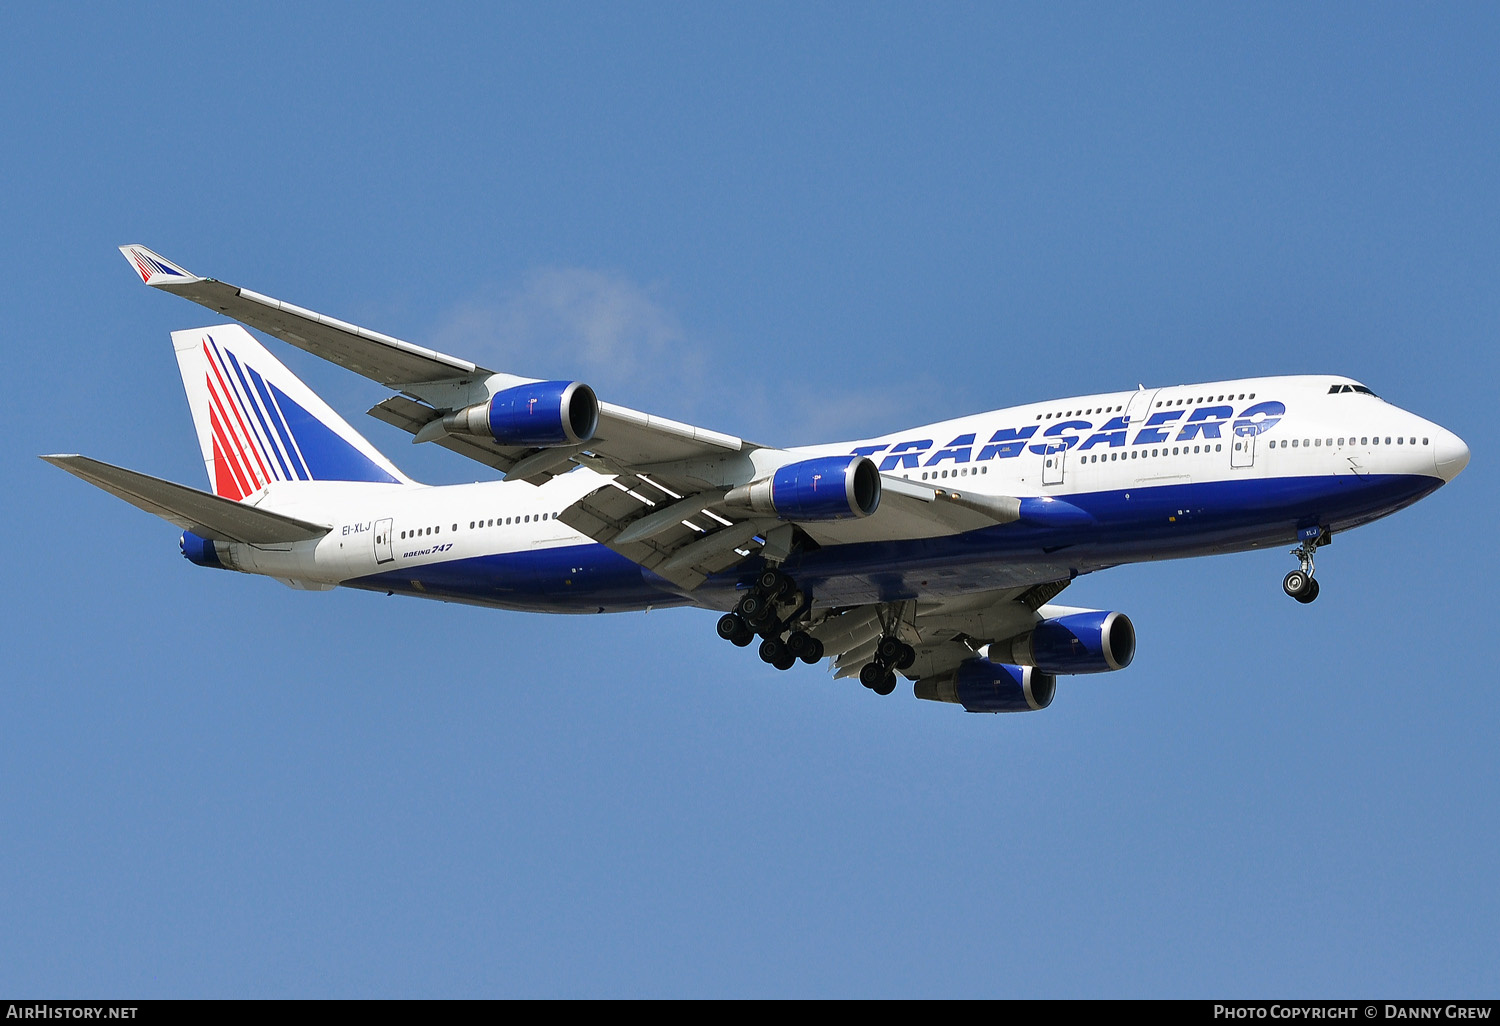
<point x="1128" y="525"/>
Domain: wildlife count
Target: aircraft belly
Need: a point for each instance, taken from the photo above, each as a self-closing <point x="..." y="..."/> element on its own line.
<point x="1127" y="525"/>
<point x="1138" y="524"/>
<point x="562" y="579"/>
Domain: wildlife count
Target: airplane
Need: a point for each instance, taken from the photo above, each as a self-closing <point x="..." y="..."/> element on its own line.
<point x="933" y="553"/>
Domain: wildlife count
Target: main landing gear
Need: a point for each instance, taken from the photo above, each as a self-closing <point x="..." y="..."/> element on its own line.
<point x="891" y="654"/>
<point x="1300" y="584"/>
<point x="769" y="610"/>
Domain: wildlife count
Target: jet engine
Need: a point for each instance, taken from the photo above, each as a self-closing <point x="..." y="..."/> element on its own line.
<point x="541" y="414"/>
<point x="1088" y="641"/>
<point x="982" y="686"/>
<point x="824" y="488"/>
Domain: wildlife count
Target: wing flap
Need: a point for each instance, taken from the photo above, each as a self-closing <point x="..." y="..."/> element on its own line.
<point x="208" y="516"/>
<point x="686" y="552"/>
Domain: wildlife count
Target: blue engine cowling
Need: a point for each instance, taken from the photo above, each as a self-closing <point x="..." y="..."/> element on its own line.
<point x="1090" y="641"/>
<point x="200" y="551"/>
<point x="824" y="488"/>
<point x="982" y="686"/>
<point x="543" y="414"/>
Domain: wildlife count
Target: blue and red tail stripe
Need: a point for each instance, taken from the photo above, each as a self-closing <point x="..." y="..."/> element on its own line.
<point x="150" y="266"/>
<point x="260" y="434"/>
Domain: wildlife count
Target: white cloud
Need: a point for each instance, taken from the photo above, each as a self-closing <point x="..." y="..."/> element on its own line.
<point x="578" y="322"/>
<point x="620" y="337"/>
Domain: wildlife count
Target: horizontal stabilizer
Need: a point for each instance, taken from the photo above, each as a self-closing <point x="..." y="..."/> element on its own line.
<point x="208" y="516"/>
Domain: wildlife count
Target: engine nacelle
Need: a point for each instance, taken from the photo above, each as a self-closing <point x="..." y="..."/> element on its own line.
<point x="1092" y="641"/>
<point x="982" y="686"/>
<point x="824" y="488"/>
<point x="541" y="414"/>
<point x="201" y="551"/>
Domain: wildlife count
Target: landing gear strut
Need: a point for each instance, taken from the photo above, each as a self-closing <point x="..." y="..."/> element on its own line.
<point x="1300" y="584"/>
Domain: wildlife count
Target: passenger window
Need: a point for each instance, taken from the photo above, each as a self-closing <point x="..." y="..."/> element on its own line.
<point x="1294" y="443"/>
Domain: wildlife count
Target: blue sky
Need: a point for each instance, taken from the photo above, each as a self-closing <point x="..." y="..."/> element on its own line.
<point x="795" y="223"/>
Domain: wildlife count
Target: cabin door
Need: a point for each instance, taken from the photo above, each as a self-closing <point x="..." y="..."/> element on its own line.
<point x="383" y="553"/>
<point x="1242" y="454"/>
<point x="1139" y="408"/>
<point x="1053" y="455"/>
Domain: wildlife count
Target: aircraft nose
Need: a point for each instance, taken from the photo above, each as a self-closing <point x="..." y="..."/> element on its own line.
<point x="1449" y="453"/>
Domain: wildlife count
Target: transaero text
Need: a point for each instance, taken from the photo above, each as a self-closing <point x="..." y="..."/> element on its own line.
<point x="1205" y="422"/>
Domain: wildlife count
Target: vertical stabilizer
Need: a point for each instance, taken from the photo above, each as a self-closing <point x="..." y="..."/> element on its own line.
<point x="258" y="423"/>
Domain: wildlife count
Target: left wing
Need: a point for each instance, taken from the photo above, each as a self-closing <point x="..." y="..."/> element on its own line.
<point x="943" y="633"/>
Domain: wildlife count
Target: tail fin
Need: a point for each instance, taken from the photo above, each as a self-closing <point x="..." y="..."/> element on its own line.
<point x="258" y="423"/>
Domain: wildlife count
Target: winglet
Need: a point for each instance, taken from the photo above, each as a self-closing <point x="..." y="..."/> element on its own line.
<point x="155" y="269"/>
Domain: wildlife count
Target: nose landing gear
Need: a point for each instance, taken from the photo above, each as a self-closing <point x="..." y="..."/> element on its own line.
<point x="1300" y="584"/>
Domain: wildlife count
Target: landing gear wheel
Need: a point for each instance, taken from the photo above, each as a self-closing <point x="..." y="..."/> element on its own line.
<point x="813" y="653"/>
<point x="908" y="656"/>
<point x="731" y="626"/>
<point x="772" y="582"/>
<point x="872" y="676"/>
<point x="1299" y="586"/>
<point x="886" y="685"/>
<point x="890" y="650"/>
<point x="1312" y="591"/>
<point x="753" y="607"/>
<point x="774" y="651"/>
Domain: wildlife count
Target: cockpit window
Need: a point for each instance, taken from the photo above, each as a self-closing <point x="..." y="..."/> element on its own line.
<point x="1336" y="389"/>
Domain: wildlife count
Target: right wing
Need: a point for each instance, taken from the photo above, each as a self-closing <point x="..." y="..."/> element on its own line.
<point x="664" y="509"/>
<point x="381" y="358"/>
<point x="435" y="383"/>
